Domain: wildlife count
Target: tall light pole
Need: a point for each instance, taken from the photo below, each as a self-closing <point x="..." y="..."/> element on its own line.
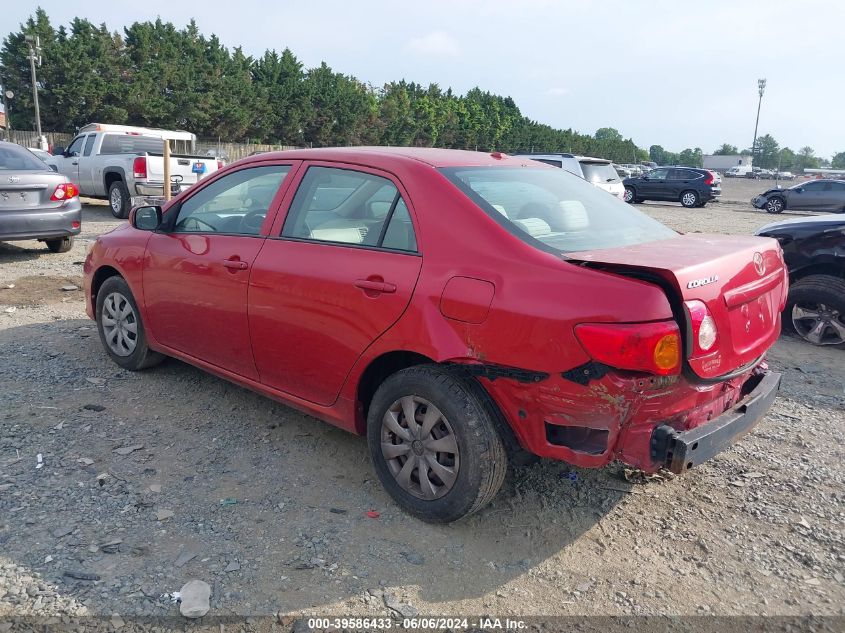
<point x="761" y="88"/>
<point x="34" y="43"/>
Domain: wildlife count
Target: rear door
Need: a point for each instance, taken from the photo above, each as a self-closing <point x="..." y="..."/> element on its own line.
<point x="331" y="279"/>
<point x="835" y="196"/>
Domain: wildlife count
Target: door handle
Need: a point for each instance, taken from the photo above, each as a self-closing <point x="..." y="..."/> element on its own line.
<point x="235" y="264"/>
<point x="375" y="286"/>
<point x="76" y="162"/>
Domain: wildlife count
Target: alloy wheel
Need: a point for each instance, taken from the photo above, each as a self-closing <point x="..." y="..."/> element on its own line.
<point x="819" y="324"/>
<point x="120" y="324"/>
<point x="629" y="195"/>
<point x="775" y="205"/>
<point x="420" y="448"/>
<point x="688" y="200"/>
<point x="116" y="200"/>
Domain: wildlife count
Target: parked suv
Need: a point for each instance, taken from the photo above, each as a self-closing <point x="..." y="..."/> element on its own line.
<point x="690" y="186"/>
<point x="814" y="251"/>
<point x="453" y="307"/>
<point x="597" y="171"/>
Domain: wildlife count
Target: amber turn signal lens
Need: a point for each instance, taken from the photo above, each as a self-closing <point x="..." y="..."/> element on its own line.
<point x="667" y="352"/>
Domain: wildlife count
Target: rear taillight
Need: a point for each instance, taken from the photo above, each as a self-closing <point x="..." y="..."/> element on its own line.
<point x="709" y="180"/>
<point x="65" y="191"/>
<point x="650" y="347"/>
<point x="219" y="164"/>
<point x="704" y="331"/>
<point x="139" y="167"/>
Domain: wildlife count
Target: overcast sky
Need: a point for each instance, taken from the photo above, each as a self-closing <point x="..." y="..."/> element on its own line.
<point x="668" y="72"/>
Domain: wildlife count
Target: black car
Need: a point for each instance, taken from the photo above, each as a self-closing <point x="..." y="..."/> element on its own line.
<point x="690" y="186"/>
<point x="814" y="250"/>
<point x="815" y="195"/>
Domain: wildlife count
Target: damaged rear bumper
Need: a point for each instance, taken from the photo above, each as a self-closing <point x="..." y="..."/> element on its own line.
<point x="680" y="451"/>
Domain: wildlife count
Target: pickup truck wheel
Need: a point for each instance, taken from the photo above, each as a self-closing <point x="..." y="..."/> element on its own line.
<point x="120" y="327"/>
<point x="434" y="443"/>
<point x="815" y="310"/>
<point x="60" y="245"/>
<point x="689" y="199"/>
<point x="119" y="201"/>
<point x="775" y="205"/>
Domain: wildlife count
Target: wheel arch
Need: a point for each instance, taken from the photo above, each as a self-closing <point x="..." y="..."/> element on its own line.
<point x="113" y="174"/>
<point x="832" y="269"/>
<point x="98" y="279"/>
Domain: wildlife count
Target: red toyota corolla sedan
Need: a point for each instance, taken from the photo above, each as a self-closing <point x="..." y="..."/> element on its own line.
<point x="454" y="307"/>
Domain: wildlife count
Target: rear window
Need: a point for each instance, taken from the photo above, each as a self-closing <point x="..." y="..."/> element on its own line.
<point x="554" y="210"/>
<point x="16" y="158"/>
<point x="599" y="173"/>
<point x="131" y="144"/>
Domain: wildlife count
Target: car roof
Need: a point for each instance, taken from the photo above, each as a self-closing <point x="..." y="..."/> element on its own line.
<point x="386" y="156"/>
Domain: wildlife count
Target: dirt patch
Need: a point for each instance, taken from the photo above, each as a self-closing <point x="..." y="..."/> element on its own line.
<point x="41" y="290"/>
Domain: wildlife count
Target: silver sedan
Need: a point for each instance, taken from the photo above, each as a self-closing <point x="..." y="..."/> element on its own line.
<point x="35" y="201"/>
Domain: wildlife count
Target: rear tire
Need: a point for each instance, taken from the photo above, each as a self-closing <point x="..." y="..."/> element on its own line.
<point x="815" y="310"/>
<point x="121" y="330"/>
<point x="119" y="201"/>
<point x="60" y="245"/>
<point x="453" y="482"/>
<point x="775" y="204"/>
<point x="690" y="199"/>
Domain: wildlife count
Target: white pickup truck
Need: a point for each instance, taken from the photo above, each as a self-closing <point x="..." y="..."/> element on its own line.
<point x="117" y="162"/>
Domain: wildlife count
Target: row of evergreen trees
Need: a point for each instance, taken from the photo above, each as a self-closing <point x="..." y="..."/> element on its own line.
<point x="157" y="75"/>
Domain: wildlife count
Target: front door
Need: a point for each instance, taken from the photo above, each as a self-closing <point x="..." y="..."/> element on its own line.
<point x="339" y="273"/>
<point x="69" y="164"/>
<point x="653" y="184"/>
<point x="196" y="270"/>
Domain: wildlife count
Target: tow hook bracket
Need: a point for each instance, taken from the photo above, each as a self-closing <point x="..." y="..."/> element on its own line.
<point x="583" y="374"/>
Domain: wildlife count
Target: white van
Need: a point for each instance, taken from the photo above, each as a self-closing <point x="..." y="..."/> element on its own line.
<point x="738" y="171"/>
<point x="597" y="171"/>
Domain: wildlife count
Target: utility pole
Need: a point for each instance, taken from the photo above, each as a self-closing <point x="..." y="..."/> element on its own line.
<point x="7" y="110"/>
<point x="34" y="43"/>
<point x="761" y="87"/>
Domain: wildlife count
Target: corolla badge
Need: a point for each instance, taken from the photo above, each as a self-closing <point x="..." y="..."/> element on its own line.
<point x="759" y="264"/>
<point x="14" y="179"/>
<point x="697" y="283"/>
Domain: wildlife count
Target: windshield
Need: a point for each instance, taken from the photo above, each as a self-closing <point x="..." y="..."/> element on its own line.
<point x="16" y="158"/>
<point x="599" y="172"/>
<point x="554" y="210"/>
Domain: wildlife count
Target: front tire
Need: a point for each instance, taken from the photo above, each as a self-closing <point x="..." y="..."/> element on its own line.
<point x="120" y="327"/>
<point x="434" y="444"/>
<point x="775" y="205"/>
<point x="815" y="310"/>
<point x="690" y="199"/>
<point x="119" y="201"/>
<point x="60" y="245"/>
<point x="631" y="195"/>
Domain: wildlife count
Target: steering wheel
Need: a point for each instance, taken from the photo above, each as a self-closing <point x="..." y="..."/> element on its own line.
<point x="199" y="224"/>
<point x="252" y="221"/>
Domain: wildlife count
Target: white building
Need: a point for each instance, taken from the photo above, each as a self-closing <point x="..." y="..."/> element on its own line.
<point x="721" y="163"/>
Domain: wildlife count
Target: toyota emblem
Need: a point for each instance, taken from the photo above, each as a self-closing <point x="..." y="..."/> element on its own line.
<point x="759" y="266"/>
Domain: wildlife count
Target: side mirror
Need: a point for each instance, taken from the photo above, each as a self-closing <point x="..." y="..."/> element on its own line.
<point x="799" y="190"/>
<point x="145" y="218"/>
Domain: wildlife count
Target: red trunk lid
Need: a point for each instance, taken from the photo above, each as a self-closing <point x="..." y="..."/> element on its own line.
<point x="742" y="281"/>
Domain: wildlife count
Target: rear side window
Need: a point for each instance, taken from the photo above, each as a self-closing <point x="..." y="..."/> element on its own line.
<point x="16" y="158"/>
<point x="599" y="173"/>
<point x="89" y="144"/>
<point x="554" y="210"/>
<point x="548" y="161"/>
<point x="349" y="207"/>
<point x="131" y="144"/>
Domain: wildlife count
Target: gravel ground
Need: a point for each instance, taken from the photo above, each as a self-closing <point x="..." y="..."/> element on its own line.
<point x="148" y="480"/>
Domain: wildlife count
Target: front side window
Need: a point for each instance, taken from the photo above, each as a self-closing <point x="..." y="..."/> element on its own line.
<point x="349" y="207"/>
<point x="75" y="148"/>
<point x="236" y="204"/>
<point x="553" y="210"/>
<point x="599" y="173"/>
<point x="657" y="174"/>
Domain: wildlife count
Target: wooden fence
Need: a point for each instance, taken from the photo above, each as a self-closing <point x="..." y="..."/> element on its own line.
<point x="229" y="151"/>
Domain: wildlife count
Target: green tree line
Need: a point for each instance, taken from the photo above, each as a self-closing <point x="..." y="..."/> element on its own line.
<point x="155" y="74"/>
